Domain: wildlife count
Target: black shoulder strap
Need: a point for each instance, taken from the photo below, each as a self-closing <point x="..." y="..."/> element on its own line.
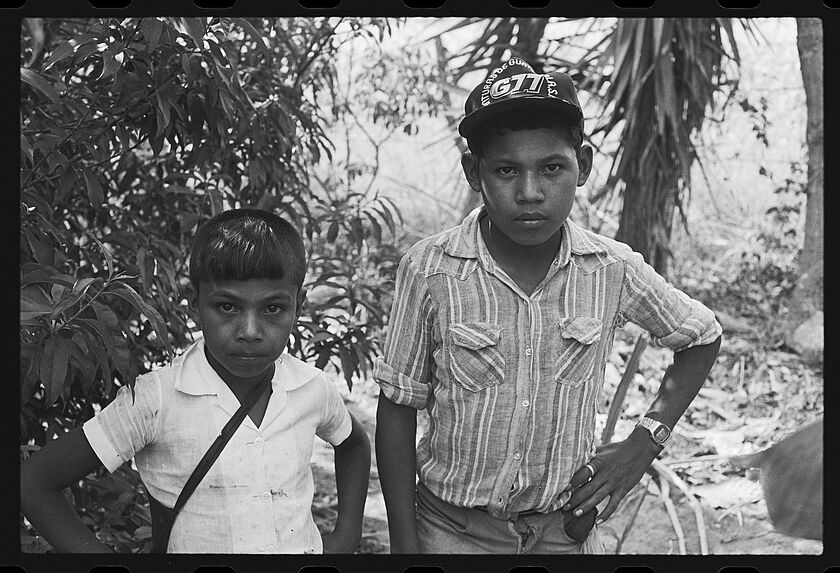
<point x="162" y="537"/>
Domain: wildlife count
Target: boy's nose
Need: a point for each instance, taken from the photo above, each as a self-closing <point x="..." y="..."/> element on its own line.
<point x="249" y="328"/>
<point x="530" y="189"/>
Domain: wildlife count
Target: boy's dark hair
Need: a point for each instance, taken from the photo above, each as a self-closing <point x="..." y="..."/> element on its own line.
<point x="243" y="244"/>
<point x="527" y="118"/>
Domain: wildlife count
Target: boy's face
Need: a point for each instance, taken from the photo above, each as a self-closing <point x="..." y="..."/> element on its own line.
<point x="527" y="178"/>
<point x="246" y="323"/>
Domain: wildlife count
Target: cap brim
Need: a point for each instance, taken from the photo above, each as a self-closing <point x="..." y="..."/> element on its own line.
<point x="567" y="111"/>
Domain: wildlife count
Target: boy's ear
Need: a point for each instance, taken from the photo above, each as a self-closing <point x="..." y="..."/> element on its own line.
<point x="584" y="158"/>
<point x="469" y="163"/>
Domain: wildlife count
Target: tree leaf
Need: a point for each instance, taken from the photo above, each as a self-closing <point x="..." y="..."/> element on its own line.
<point x="188" y="221"/>
<point x="332" y="232"/>
<point x="25" y="148"/>
<point x="141" y="264"/>
<point x="129" y="294"/>
<point x="30" y="378"/>
<point x="105" y="346"/>
<point x="257" y="36"/>
<point x="84" y="51"/>
<point x="33" y="302"/>
<point x="61" y="51"/>
<point x="110" y="62"/>
<point x="323" y="356"/>
<point x="69" y="299"/>
<point x="377" y="228"/>
<point x="87" y="283"/>
<point x="152" y="29"/>
<point x="95" y="194"/>
<point x="163" y="105"/>
<point x="106" y="252"/>
<point x="107" y="317"/>
<point x="196" y="28"/>
<point x="54" y="362"/>
<point x="348" y="365"/>
<point x="39" y="83"/>
<point x="216" y="205"/>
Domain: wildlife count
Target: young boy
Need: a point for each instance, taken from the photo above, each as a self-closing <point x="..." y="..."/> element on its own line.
<point x="246" y="268"/>
<point x="501" y="327"/>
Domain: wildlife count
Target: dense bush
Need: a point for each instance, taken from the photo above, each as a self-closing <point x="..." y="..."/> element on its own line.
<point x="767" y="271"/>
<point x="135" y="130"/>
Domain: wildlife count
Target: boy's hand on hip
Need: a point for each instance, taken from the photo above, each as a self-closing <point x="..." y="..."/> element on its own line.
<point x="618" y="467"/>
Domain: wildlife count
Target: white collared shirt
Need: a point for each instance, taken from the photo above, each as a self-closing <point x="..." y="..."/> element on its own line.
<point x="257" y="496"/>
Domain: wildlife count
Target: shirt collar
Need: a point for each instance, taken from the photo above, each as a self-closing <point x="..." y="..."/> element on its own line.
<point x="464" y="241"/>
<point x="195" y="376"/>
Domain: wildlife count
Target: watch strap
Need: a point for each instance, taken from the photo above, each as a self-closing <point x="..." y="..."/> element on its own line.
<point x="651" y="426"/>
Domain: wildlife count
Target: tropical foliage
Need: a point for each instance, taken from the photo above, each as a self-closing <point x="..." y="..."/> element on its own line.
<point x="657" y="80"/>
<point x="132" y="132"/>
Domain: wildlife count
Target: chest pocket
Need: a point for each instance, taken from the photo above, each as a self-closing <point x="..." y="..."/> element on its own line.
<point x="577" y="349"/>
<point x="475" y="359"/>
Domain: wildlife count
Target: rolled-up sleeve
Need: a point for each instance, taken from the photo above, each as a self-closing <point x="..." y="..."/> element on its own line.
<point x="335" y="424"/>
<point x="126" y="425"/>
<point x="403" y="371"/>
<point x="673" y="319"/>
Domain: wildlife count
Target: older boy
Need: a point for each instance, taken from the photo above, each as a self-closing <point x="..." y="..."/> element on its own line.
<point x="246" y="268"/>
<point x="501" y="328"/>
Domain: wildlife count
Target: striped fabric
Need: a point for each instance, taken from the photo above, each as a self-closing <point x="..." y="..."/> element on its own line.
<point x="511" y="382"/>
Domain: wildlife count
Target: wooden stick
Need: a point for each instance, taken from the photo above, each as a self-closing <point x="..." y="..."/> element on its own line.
<point x="621" y="390"/>
<point x="669" y="475"/>
<point x="698" y="460"/>
<point x="665" y="494"/>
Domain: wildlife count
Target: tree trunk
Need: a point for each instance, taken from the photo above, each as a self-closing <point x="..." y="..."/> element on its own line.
<point x="647" y="217"/>
<point x="808" y="295"/>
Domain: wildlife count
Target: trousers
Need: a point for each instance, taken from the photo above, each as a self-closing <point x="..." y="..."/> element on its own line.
<point x="446" y="528"/>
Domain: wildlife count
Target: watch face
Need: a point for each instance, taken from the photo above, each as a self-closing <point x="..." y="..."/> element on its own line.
<point x="661" y="433"/>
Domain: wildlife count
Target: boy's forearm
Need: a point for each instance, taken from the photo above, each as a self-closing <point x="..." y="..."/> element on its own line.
<point x="43" y="478"/>
<point x="352" y="473"/>
<point x="617" y="467"/>
<point x="54" y="518"/>
<point x="396" y="428"/>
<point x="682" y="381"/>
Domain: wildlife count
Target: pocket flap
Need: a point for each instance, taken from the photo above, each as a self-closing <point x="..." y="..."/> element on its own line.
<point x="474" y="335"/>
<point x="584" y="329"/>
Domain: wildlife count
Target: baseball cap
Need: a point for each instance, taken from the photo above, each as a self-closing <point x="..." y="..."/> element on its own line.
<point x="515" y="85"/>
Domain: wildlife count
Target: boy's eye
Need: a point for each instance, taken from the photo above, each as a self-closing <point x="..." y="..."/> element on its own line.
<point x="506" y="170"/>
<point x="225" y="307"/>
<point x="552" y="168"/>
<point x="273" y="308"/>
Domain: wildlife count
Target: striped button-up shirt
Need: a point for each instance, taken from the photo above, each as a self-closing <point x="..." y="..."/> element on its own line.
<point x="511" y="381"/>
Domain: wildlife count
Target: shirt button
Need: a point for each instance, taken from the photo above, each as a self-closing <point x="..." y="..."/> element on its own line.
<point x="270" y="548"/>
<point x="259" y="442"/>
<point x="266" y="496"/>
<point x="528" y="351"/>
<point x="516" y="455"/>
<point x="556" y="262"/>
<point x="526" y="403"/>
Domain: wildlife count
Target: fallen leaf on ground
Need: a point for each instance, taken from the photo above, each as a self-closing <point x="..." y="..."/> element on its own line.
<point x="732" y="492"/>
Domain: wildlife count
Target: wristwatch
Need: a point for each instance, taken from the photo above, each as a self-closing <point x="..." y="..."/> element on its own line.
<point x="659" y="432"/>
